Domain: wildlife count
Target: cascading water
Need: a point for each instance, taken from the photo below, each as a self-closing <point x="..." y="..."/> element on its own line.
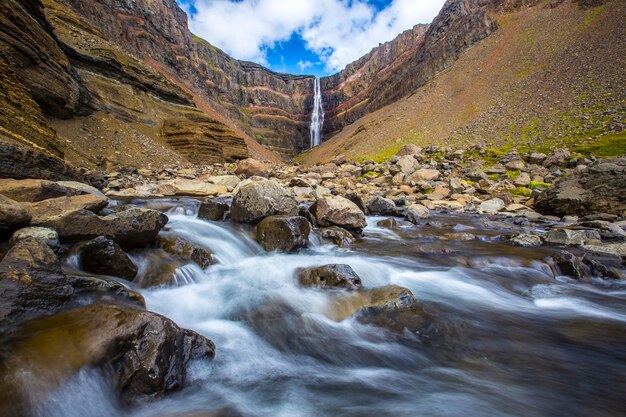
<point x="514" y="340"/>
<point x="317" y="118"/>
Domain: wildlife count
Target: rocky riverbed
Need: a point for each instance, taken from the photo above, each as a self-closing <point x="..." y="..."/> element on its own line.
<point x="347" y="288"/>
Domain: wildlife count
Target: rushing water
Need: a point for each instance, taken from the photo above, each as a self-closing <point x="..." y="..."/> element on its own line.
<point x="317" y="117"/>
<point x="511" y="339"/>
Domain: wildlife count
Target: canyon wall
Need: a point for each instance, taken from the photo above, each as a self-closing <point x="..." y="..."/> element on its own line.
<point x="118" y="79"/>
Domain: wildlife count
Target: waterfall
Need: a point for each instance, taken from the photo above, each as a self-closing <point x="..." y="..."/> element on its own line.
<point x="317" y="118"/>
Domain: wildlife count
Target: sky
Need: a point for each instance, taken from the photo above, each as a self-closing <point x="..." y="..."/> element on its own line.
<point x="313" y="37"/>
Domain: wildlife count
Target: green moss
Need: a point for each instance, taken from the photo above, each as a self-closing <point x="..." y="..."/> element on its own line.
<point x="610" y="145"/>
<point x="369" y="174"/>
<point x="521" y="191"/>
<point x="494" y="177"/>
<point x="513" y="174"/>
<point x="538" y="184"/>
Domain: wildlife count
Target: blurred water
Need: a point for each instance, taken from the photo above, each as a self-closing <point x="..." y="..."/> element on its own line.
<point x="512" y="340"/>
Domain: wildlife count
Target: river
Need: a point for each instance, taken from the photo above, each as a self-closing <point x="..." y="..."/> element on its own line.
<point x="507" y="337"/>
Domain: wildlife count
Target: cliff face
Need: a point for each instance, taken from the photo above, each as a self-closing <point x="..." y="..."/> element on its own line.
<point x="119" y="79"/>
<point x="397" y="68"/>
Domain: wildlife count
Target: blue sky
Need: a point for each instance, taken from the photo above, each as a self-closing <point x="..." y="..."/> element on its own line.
<point x="314" y="37"/>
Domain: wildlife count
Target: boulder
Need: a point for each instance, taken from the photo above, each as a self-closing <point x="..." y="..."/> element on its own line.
<point x="373" y="306"/>
<point x="526" y="240"/>
<point x="190" y="188"/>
<point x="13" y="215"/>
<point x="522" y="180"/>
<point x="339" y="211"/>
<point x="102" y="256"/>
<point x="598" y="189"/>
<point x="229" y="181"/>
<point x="491" y="206"/>
<point x="213" y="210"/>
<point x="409" y="149"/>
<point x="537" y="158"/>
<point x="256" y="200"/>
<point x="49" y="236"/>
<point x="571" y="237"/>
<point x="32" y="190"/>
<point x="31" y="281"/>
<point x="556" y="157"/>
<point x="379" y="206"/>
<point x="424" y="174"/>
<point x="80" y="188"/>
<point x="251" y="168"/>
<point x="147" y="353"/>
<point x="44" y="210"/>
<point x="329" y="276"/>
<point x="407" y="164"/>
<point x="132" y="228"/>
<point x="185" y="251"/>
<point x="283" y="233"/>
<point x="336" y="235"/>
<point x="414" y="212"/>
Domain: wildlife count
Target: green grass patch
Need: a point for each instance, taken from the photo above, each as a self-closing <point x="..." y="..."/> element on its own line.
<point x="369" y="174"/>
<point x="610" y="145"/>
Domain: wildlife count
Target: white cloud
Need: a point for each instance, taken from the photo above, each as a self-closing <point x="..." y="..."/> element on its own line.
<point x="304" y="65"/>
<point x="338" y="31"/>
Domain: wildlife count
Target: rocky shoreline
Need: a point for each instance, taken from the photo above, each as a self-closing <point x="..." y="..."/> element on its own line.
<point x="578" y="202"/>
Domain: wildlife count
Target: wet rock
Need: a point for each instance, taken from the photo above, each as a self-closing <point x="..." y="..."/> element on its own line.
<point x="49" y="236"/>
<point x="251" y="168"/>
<point x="329" y="276"/>
<point x="339" y="211"/>
<point x="337" y="235"/>
<point x="389" y="223"/>
<point x="31" y="281"/>
<point x="190" y="188"/>
<point x="415" y="212"/>
<point x="103" y="289"/>
<point x="608" y="230"/>
<point x="491" y="206"/>
<point x="33" y="190"/>
<point x="598" y="189"/>
<point x="569" y="265"/>
<point x="184" y="250"/>
<point x="102" y="256"/>
<point x="13" y="215"/>
<point x="46" y="209"/>
<point x="283" y="233"/>
<point x="373" y="306"/>
<point x="147" y="353"/>
<point x="618" y="249"/>
<point x="379" y="206"/>
<point x="571" y="237"/>
<point x="526" y="240"/>
<point x="213" y="210"/>
<point x="256" y="200"/>
<point x="132" y="228"/>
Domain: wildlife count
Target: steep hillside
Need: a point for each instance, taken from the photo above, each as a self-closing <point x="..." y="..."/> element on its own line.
<point x="552" y="74"/>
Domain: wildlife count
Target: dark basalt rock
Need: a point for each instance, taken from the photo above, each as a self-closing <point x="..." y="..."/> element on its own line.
<point x="329" y="276"/>
<point x="283" y="233"/>
<point x="102" y="256"/>
<point x="213" y="210"/>
<point x="183" y="250"/>
<point x="566" y="263"/>
<point x="148" y="353"/>
<point x="132" y="228"/>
